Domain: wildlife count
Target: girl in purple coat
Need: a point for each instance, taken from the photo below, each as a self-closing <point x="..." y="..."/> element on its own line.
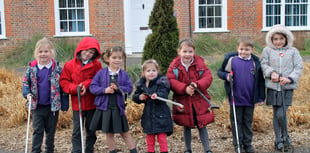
<point x="110" y="86"/>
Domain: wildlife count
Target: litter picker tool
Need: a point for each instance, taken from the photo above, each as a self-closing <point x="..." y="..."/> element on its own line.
<point x="204" y="97"/>
<point x="169" y="101"/>
<point x="287" y="145"/>
<point x="80" y="116"/>
<point x="28" y="123"/>
<point x="234" y="109"/>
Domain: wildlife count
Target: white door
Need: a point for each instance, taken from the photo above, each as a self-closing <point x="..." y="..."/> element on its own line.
<point x="137" y="14"/>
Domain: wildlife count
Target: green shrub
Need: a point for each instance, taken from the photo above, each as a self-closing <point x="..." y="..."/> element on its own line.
<point x="307" y="44"/>
<point x="162" y="43"/>
<point x="216" y="90"/>
<point x="23" y="54"/>
<point x="134" y="72"/>
<point x="206" y="45"/>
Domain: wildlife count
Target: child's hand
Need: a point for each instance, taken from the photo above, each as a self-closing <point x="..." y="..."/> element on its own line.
<point x="260" y="103"/>
<point x="284" y="81"/>
<point x="190" y="90"/>
<point x="29" y="96"/>
<point x="114" y="86"/>
<point x="154" y="96"/>
<point x="109" y="90"/>
<point x="275" y="77"/>
<point x="142" y="97"/>
<point x="83" y="89"/>
<point x="228" y="78"/>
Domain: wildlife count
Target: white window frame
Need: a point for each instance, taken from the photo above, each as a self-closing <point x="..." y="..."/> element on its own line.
<point x="282" y="18"/>
<point x="2" y="27"/>
<point x="58" y="32"/>
<point x="224" y="19"/>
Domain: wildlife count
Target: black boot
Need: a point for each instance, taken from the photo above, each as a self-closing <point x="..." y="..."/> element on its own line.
<point x="134" y="150"/>
<point x="113" y="151"/>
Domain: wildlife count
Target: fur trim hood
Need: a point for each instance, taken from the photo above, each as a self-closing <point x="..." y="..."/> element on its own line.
<point x="280" y="29"/>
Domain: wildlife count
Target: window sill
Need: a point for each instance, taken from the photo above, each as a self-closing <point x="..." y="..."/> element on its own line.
<point x="211" y="31"/>
<point x="72" y="35"/>
<point x="265" y="29"/>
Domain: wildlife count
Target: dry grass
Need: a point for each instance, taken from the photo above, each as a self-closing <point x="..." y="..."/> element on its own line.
<point x="13" y="111"/>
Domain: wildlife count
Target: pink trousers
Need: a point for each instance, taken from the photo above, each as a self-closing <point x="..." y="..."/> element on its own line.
<point x="161" y="139"/>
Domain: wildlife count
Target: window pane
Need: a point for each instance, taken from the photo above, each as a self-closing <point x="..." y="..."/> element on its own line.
<point x="79" y="3"/>
<point x="210" y="1"/>
<point x="218" y="1"/>
<point x="288" y="9"/>
<point x="269" y="10"/>
<point x="71" y="3"/>
<point x="288" y="1"/>
<point x="296" y="20"/>
<point x="62" y="4"/>
<point x="296" y="1"/>
<point x="202" y="1"/>
<point x="63" y="27"/>
<point x="277" y="9"/>
<point x="63" y="15"/>
<point x="210" y="23"/>
<point x="277" y="1"/>
<point x="269" y="21"/>
<point x="288" y="21"/>
<point x="72" y="15"/>
<point x="210" y="11"/>
<point x="303" y="20"/>
<point x="80" y="14"/>
<point x="303" y="9"/>
<point x="296" y="9"/>
<point x="277" y="20"/>
<point x="269" y="1"/>
<point x="202" y="22"/>
<point x="218" y="22"/>
<point x="218" y="11"/>
<point x="81" y="26"/>
<point x="202" y="11"/>
<point x="72" y="26"/>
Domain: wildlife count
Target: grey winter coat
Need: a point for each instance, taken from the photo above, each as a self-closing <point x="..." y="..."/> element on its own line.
<point x="285" y="61"/>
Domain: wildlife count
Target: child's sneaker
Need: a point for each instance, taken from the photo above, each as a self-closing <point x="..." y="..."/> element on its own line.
<point x="249" y="149"/>
<point x="241" y="149"/>
<point x="279" y="146"/>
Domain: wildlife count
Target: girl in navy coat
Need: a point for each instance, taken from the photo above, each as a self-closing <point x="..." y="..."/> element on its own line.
<point x="156" y="119"/>
<point x="110" y="85"/>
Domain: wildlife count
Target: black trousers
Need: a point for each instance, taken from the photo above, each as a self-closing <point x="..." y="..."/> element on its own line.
<point x="244" y="117"/>
<point x="43" y="120"/>
<point x="76" y="134"/>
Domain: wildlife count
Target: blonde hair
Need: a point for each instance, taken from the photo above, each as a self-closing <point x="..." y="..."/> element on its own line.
<point x="109" y="52"/>
<point x="42" y="42"/>
<point x="149" y="62"/>
<point x="247" y="41"/>
<point x="188" y="42"/>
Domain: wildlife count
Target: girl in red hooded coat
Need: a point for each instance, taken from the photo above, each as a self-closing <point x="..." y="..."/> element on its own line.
<point x="186" y="70"/>
<point x="80" y="71"/>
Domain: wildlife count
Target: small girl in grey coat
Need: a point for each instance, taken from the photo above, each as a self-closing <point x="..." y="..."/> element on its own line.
<point x="282" y="66"/>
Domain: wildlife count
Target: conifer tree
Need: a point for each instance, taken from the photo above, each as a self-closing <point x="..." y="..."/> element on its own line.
<point x="162" y="43"/>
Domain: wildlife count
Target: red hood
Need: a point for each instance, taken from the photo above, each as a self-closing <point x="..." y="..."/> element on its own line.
<point x="87" y="43"/>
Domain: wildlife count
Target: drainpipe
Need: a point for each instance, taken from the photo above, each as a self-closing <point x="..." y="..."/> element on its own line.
<point x="190" y="18"/>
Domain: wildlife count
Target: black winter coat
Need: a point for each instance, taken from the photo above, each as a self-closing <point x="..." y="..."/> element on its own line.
<point x="156" y="117"/>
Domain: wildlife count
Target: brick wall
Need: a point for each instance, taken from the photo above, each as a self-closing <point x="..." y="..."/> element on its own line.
<point x="244" y="18"/>
<point x="29" y="17"/>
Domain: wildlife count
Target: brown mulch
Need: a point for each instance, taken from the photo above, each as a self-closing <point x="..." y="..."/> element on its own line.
<point x="13" y="139"/>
